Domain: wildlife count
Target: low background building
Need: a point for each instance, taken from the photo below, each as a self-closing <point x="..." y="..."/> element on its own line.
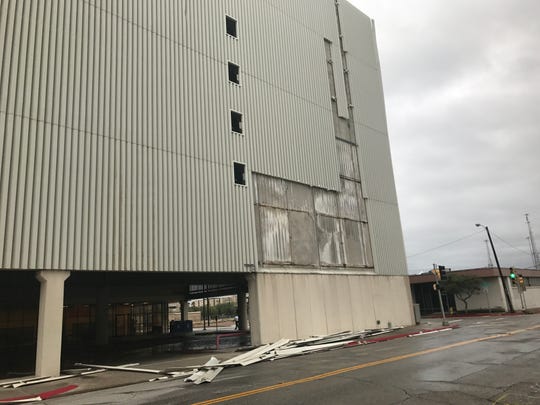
<point x="491" y="295"/>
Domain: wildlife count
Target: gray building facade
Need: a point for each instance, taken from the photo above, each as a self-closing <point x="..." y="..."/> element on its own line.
<point x="234" y="141"/>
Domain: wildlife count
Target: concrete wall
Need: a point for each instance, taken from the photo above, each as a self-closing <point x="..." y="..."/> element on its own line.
<point x="531" y="296"/>
<point x="494" y="296"/>
<point x="306" y="303"/>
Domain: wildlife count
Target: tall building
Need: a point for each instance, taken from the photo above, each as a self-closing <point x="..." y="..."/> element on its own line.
<point x="151" y="149"/>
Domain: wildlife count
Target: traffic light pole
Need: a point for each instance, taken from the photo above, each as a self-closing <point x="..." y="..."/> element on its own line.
<point x="505" y="287"/>
<point x="435" y="269"/>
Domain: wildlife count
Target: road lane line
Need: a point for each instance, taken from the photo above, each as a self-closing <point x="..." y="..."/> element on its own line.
<point x="360" y="366"/>
<point x="500" y="399"/>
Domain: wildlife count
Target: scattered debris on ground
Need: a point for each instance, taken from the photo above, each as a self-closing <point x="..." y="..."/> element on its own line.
<point x="39" y="380"/>
<point x="207" y="372"/>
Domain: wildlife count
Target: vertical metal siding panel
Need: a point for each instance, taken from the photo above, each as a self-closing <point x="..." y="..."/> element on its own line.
<point x="46" y="213"/>
<point x="60" y="138"/>
<point x="16" y="60"/>
<point x="167" y="236"/>
<point x="6" y="15"/>
<point x="388" y="248"/>
<point x="44" y="237"/>
<point x="126" y="102"/>
<point x="44" y="128"/>
<point x="25" y="72"/>
<point x="5" y="32"/>
<point x="70" y="155"/>
<point x="10" y="140"/>
<point x="176" y="133"/>
<point x="73" y="195"/>
<point x="3" y="233"/>
<point x="113" y="136"/>
<point x="165" y="148"/>
<point x="86" y="104"/>
<point x="108" y="146"/>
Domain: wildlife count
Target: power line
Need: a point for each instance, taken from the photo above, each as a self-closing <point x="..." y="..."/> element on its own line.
<point x="513" y="247"/>
<point x="445" y="244"/>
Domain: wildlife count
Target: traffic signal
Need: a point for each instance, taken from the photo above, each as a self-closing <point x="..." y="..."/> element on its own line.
<point x="437" y="273"/>
<point x="442" y="273"/>
<point x="435" y="287"/>
<point x="512" y="276"/>
<point x="521" y="282"/>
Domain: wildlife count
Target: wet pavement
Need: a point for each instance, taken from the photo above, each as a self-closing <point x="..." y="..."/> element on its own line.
<point x="477" y="363"/>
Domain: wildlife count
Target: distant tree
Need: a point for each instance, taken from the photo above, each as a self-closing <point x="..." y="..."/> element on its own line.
<point x="462" y="287"/>
<point x="224" y="310"/>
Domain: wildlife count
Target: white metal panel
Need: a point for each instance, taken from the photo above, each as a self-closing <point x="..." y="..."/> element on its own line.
<point x="367" y="95"/>
<point x="358" y="39"/>
<point x="376" y="165"/>
<point x="387" y="237"/>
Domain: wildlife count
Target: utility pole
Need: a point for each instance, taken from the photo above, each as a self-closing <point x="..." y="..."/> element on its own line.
<point x="534" y="251"/>
<point x="503" y="281"/>
<point x="490" y="263"/>
<point x="530" y="247"/>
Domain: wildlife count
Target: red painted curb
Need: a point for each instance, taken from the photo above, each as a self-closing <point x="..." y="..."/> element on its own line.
<point x="41" y="396"/>
<point x="401" y="335"/>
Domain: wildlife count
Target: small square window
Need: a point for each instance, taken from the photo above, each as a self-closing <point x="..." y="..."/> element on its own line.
<point x="236" y="122"/>
<point x="234" y="73"/>
<point x="239" y="173"/>
<point x="232" y="26"/>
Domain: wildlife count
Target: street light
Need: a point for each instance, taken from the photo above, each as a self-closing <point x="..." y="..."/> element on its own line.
<point x="505" y="287"/>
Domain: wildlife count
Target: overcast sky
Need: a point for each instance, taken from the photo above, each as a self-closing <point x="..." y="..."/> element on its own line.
<point x="462" y="88"/>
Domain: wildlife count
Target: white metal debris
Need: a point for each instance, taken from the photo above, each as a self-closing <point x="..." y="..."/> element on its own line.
<point x="207" y="372"/>
<point x="39" y="380"/>
<point x="122" y="368"/>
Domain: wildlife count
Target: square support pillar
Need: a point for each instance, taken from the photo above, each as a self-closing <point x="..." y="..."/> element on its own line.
<point x="184" y="310"/>
<point x="242" y="310"/>
<point x="51" y="311"/>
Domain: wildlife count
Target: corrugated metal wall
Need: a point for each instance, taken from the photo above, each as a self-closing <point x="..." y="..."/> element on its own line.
<point x="376" y="170"/>
<point x="115" y="141"/>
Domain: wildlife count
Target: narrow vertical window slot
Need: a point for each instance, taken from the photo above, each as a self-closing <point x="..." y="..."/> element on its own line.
<point x="234" y="73"/>
<point x="232" y="26"/>
<point x="236" y="122"/>
<point x="239" y="174"/>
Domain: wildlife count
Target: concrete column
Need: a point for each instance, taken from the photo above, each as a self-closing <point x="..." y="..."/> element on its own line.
<point x="102" y="316"/>
<point x="254" y="311"/>
<point x="184" y="309"/>
<point x="242" y="310"/>
<point x="51" y="310"/>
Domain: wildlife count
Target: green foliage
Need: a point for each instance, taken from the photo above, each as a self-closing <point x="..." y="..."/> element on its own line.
<point x="462" y="287"/>
<point x="225" y="310"/>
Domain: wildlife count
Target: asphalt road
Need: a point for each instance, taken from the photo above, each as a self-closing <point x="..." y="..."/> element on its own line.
<point x="489" y="360"/>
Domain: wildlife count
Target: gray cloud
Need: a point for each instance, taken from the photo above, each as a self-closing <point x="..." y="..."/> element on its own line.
<point x="462" y="88"/>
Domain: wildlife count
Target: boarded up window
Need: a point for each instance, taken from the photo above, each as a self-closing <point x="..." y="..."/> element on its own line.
<point x="303" y="239"/>
<point x="275" y="235"/>
<point x="328" y="233"/>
